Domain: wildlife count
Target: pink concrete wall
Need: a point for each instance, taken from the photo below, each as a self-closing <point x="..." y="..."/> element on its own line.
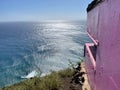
<point x="104" y="25"/>
<point x="90" y="64"/>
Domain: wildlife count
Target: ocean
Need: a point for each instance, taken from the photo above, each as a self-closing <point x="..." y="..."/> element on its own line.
<point x="29" y="49"/>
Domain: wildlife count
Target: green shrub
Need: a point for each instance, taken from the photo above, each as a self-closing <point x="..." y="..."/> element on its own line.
<point x="51" y="82"/>
<point x="66" y="73"/>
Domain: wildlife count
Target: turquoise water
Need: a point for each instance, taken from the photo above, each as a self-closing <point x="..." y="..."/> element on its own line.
<point x="28" y="49"/>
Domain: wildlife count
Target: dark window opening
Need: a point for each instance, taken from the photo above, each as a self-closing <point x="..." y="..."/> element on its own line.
<point x="93" y="50"/>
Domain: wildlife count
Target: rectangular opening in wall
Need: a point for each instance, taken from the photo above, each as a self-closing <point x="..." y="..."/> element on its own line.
<point x="90" y="53"/>
<point x="93" y="50"/>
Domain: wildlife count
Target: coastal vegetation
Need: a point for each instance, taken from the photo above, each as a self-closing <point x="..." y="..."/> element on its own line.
<point x="71" y="78"/>
<point x="49" y="82"/>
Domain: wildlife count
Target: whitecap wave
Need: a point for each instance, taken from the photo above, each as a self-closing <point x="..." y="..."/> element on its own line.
<point x="31" y="74"/>
<point x="34" y="73"/>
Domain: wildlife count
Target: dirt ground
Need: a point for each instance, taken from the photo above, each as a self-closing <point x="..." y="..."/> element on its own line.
<point x="67" y="85"/>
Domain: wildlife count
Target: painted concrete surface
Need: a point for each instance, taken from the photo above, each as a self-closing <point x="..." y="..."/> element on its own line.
<point x="104" y="26"/>
<point x="90" y="64"/>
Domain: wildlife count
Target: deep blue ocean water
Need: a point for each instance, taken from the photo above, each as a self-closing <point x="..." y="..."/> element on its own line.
<point x="28" y="49"/>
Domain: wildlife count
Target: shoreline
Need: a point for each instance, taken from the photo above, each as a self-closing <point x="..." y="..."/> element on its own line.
<point x="60" y="80"/>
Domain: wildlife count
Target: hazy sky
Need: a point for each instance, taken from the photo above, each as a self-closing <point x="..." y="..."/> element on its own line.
<point x="38" y="10"/>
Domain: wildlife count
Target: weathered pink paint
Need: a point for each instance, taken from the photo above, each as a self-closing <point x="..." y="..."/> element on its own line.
<point x="103" y="26"/>
<point x="90" y="63"/>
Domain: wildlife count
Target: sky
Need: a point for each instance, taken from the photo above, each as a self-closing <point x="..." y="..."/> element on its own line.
<point x="40" y="10"/>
